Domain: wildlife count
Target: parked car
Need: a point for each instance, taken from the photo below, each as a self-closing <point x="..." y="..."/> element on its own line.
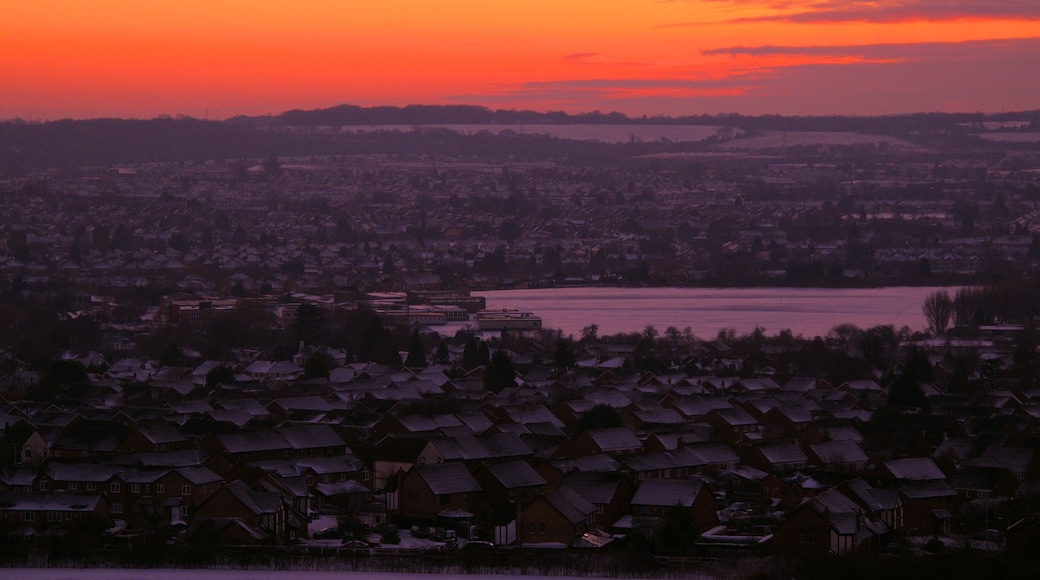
<point x="477" y="546"/>
<point x="328" y="534"/>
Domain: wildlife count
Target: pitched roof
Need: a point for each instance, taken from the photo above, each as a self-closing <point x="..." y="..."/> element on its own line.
<point x="838" y="452"/>
<point x="914" y="469"/>
<point x="667" y="492"/>
<point x="477" y="447"/>
<point x="588" y="463"/>
<point x="786" y="452"/>
<point x="681" y="457"/>
<point x="514" y="474"/>
<point x="448" y="478"/>
<point x="570" y="504"/>
<point x="597" y="488"/>
<point x="258" y="502"/>
<point x="49" y="501"/>
<point x="615" y="439"/>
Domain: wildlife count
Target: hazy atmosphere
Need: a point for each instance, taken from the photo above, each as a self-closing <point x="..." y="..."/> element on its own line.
<point x="123" y="58"/>
<point x="716" y="289"/>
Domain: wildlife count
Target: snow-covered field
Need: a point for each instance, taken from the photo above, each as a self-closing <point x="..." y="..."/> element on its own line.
<point x="1012" y="137"/>
<point x="576" y="132"/>
<point x="778" y="139"/>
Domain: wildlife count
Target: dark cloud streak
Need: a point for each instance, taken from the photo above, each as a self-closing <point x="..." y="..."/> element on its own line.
<point x="887" y="11"/>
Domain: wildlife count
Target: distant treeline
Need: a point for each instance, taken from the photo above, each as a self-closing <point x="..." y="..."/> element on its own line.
<point x="476" y="115"/>
<point x="27" y="147"/>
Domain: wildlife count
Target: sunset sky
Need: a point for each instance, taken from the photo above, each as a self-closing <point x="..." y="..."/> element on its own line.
<point x="145" y="58"/>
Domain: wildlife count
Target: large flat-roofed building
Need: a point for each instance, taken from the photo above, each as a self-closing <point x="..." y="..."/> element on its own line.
<point x="508" y="320"/>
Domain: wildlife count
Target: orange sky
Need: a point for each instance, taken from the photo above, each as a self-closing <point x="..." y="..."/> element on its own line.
<point x="144" y="58"/>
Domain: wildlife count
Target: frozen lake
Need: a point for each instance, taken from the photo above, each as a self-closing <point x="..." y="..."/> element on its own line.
<point x="806" y="311"/>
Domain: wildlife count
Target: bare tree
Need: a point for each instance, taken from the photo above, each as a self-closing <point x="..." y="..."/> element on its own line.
<point x="938" y="308"/>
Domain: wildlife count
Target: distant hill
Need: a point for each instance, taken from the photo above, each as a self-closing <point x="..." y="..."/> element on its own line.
<point x="27" y="147"/>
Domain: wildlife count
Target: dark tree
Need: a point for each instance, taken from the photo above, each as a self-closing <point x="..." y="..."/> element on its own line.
<point x="219" y="374"/>
<point x="905" y="390"/>
<point x="500" y="373"/>
<point x="676" y="532"/>
<point x="563" y="356"/>
<point x="601" y="416"/>
<point x="310" y="324"/>
<point x="938" y="308"/>
<point x="416" y="352"/>
<point x="377" y="345"/>
<point x="317" y="366"/>
<point x="272" y="166"/>
<point x="443" y="356"/>
<point x="471" y="354"/>
<point x="172" y="355"/>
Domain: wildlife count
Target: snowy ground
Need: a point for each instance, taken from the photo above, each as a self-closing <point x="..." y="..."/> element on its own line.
<point x="155" y="574"/>
<point x="407" y="541"/>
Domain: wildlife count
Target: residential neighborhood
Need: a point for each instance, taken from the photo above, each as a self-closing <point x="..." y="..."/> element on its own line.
<point x="288" y="352"/>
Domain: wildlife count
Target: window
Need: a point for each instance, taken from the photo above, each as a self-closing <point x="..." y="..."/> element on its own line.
<point x="53" y="516"/>
<point x="114" y="487"/>
<point x="160" y="488"/>
<point x="184" y="511"/>
<point x="541" y="528"/>
<point x="91" y="486"/>
<point x="531" y="529"/>
<point x="73" y="486"/>
<point x="310" y="480"/>
<point x="45" y="485"/>
<point x="117" y="508"/>
<point x="28" y="516"/>
<point x="326" y="478"/>
<point x="135" y="488"/>
<point x="185" y="490"/>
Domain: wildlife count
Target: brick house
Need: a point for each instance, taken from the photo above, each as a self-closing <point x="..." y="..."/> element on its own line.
<point x="557" y="517"/>
<point x="427" y="490"/>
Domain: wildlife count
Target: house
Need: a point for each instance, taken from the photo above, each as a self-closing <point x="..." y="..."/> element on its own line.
<point x="475" y="449"/>
<point x="840" y="456"/>
<point x="654" y="497"/>
<point x="788" y="490"/>
<point x="829" y="524"/>
<point x="883" y="505"/>
<point x="559" y="517"/>
<point x="427" y="490"/>
<point x="265" y="512"/>
<point x="928" y="506"/>
<point x="680" y="463"/>
<point x="609" y="492"/>
<point x="40" y="511"/>
<point x="512" y="482"/>
<point x="394" y="456"/>
<point x="302" y="441"/>
<point x="772" y="457"/>
<point x="733" y="425"/>
<point x="612" y="441"/>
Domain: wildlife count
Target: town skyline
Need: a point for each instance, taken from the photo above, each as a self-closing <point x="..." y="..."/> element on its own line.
<point x="118" y="59"/>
